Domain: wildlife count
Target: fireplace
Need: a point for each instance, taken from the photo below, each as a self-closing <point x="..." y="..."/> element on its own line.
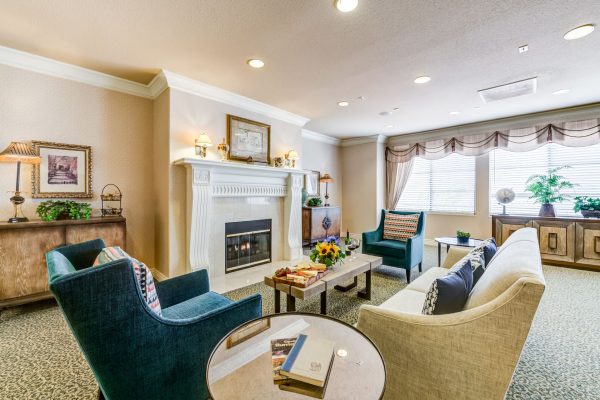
<point x="247" y="244"/>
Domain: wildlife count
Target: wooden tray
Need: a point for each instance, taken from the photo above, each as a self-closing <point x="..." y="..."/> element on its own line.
<point x="309" y="282"/>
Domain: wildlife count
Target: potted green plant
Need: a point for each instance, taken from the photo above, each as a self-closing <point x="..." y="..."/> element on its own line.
<point x="51" y="210"/>
<point x="588" y="206"/>
<point x="462" y="237"/>
<point x="548" y="189"/>
<point x="314" y="202"/>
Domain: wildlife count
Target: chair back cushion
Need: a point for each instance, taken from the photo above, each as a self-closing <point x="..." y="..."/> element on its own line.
<point x="400" y="226"/>
<point x="518" y="257"/>
<point x="142" y="273"/>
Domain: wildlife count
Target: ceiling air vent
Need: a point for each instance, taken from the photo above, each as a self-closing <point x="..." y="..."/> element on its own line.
<point x="514" y="89"/>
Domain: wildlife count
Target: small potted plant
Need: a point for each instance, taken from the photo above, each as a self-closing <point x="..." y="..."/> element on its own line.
<point x="547" y="190"/>
<point x="588" y="206"/>
<point x="52" y="210"/>
<point x="462" y="237"/>
<point x="327" y="252"/>
<point x="314" y="202"/>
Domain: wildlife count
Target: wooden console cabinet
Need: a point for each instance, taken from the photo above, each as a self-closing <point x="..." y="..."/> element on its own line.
<point x="23" y="272"/>
<point x="319" y="222"/>
<point x="573" y="242"/>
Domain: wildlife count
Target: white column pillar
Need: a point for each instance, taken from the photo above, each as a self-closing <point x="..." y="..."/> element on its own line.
<point x="200" y="197"/>
<point x="293" y="217"/>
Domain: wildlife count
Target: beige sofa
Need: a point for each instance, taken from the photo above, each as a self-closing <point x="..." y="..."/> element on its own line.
<point x="471" y="354"/>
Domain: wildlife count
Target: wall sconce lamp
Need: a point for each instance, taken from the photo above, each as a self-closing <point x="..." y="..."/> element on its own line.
<point x="292" y="156"/>
<point x="202" y="143"/>
<point x="19" y="153"/>
<point x="326" y="179"/>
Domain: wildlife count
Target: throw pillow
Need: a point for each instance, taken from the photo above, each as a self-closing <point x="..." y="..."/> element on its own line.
<point x="489" y="249"/>
<point x="477" y="260"/>
<point x="142" y="273"/>
<point x="400" y="226"/>
<point x="449" y="293"/>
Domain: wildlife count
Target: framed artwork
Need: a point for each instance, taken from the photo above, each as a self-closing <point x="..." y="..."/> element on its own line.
<point x="248" y="331"/>
<point x="64" y="171"/>
<point x="311" y="184"/>
<point x="248" y="140"/>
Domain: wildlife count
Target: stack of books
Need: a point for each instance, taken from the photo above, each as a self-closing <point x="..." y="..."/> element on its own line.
<point x="302" y="365"/>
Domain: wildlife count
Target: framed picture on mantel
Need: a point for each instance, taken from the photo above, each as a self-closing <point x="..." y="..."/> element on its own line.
<point x="248" y="140"/>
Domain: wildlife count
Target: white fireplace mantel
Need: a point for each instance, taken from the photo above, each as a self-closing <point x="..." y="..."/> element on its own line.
<point x="207" y="180"/>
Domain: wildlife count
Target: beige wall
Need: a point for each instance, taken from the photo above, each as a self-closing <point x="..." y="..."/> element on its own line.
<point x="325" y="158"/>
<point x="117" y="126"/>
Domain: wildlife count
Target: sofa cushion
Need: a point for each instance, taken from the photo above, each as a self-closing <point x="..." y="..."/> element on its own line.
<point x="518" y="257"/>
<point x="196" y="306"/>
<point x="400" y="226"/>
<point x="449" y="293"/>
<point x="407" y="301"/>
<point x="142" y="273"/>
<point x="390" y="248"/>
<point x="423" y="282"/>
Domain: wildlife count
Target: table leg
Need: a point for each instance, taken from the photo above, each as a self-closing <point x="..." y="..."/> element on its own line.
<point x="277" y="301"/>
<point x="345" y="288"/>
<point x="324" y="302"/>
<point x="447" y="248"/>
<point x="366" y="292"/>
<point x="439" y="254"/>
<point x="291" y="303"/>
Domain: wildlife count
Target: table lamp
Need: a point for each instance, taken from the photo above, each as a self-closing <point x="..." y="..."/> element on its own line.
<point x="326" y="179"/>
<point x="202" y="143"/>
<point x="292" y="155"/>
<point x="19" y="152"/>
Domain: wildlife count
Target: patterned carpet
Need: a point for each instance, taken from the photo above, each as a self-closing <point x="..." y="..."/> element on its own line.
<point x="39" y="358"/>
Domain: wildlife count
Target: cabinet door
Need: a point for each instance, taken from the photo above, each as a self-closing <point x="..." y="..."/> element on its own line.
<point x="587" y="250"/>
<point x="113" y="233"/>
<point x="22" y="260"/>
<point x="557" y="240"/>
<point x="506" y="226"/>
<point x="325" y="222"/>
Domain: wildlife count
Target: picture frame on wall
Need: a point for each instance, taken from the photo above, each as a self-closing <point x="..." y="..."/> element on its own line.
<point x="65" y="171"/>
<point x="312" y="185"/>
<point x="248" y="140"/>
<point x="250" y="330"/>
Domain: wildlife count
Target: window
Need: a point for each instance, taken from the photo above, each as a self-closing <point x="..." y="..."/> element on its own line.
<point x="446" y="185"/>
<point x="511" y="170"/>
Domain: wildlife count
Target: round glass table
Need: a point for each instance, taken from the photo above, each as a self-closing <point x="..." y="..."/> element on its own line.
<point x="240" y="367"/>
<point x="453" y="241"/>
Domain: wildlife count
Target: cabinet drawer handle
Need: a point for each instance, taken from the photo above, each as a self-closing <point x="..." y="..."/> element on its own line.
<point x="552" y="241"/>
<point x="597" y="244"/>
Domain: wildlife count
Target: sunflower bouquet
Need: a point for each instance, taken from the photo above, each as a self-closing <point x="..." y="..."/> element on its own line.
<point x="327" y="252"/>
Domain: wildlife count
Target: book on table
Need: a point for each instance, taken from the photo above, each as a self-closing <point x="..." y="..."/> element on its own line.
<point x="280" y="348"/>
<point x="309" y="361"/>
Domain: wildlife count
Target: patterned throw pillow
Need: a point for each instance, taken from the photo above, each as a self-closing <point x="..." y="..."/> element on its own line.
<point x="477" y="260"/>
<point x="489" y="249"/>
<point x="400" y="226"/>
<point x="142" y="273"/>
<point x="449" y="293"/>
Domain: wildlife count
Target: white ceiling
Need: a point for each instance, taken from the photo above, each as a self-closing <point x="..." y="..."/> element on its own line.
<point x="316" y="56"/>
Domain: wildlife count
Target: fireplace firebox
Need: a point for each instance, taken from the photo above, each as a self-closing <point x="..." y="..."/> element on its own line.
<point x="247" y="244"/>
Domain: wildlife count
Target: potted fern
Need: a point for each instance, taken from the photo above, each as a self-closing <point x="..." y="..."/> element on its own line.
<point x="548" y="189"/>
<point x="588" y="206"/>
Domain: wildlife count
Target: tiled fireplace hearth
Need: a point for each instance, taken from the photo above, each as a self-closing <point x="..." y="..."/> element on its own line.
<point x="222" y="193"/>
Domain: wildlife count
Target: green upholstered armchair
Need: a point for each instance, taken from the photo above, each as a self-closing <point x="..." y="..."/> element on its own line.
<point x="133" y="352"/>
<point x="393" y="252"/>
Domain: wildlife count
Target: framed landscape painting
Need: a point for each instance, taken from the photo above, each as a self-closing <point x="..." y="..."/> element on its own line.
<point x="64" y="171"/>
<point x="248" y="140"/>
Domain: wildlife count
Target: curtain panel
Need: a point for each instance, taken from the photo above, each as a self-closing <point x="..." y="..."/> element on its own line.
<point x="572" y="134"/>
<point x="397" y="175"/>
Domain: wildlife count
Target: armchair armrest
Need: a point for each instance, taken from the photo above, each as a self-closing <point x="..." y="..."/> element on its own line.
<point x="370" y="237"/>
<point x="182" y="288"/>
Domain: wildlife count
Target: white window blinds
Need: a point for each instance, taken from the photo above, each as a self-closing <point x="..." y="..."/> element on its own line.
<point x="511" y="170"/>
<point x="446" y="185"/>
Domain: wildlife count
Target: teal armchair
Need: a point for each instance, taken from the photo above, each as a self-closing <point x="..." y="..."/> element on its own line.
<point x="133" y="352"/>
<point x="393" y="252"/>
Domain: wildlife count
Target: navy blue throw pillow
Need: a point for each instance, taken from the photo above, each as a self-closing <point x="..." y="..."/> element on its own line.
<point x="449" y="293"/>
<point x="489" y="250"/>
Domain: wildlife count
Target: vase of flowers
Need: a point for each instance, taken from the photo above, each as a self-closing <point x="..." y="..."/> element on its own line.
<point x="328" y="252"/>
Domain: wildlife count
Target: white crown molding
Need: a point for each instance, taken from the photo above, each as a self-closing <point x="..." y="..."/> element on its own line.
<point x="579" y="113"/>
<point x="364" y="139"/>
<point x="210" y="92"/>
<point x="47" y="66"/>
<point x="319" y="137"/>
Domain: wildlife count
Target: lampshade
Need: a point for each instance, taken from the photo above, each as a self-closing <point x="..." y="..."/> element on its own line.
<point x="292" y="155"/>
<point x="203" y="140"/>
<point x="326" y="178"/>
<point x="17" y="151"/>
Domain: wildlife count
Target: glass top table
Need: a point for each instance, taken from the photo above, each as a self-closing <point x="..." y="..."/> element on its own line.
<point x="453" y="241"/>
<point x="240" y="368"/>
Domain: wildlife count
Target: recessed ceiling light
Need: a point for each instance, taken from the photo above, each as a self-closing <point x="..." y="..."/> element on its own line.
<point x="361" y="98"/>
<point x="523" y="49"/>
<point x="454" y="112"/>
<point x="422" y="79"/>
<point x="562" y="91"/>
<point x="343" y="104"/>
<point x="256" y="63"/>
<point x="389" y="126"/>
<point x="346" y="5"/>
<point x="395" y="109"/>
<point x="579" y="32"/>
<point x="384" y="113"/>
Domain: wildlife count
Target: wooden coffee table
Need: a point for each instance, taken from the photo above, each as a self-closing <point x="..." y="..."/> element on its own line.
<point x="351" y="268"/>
